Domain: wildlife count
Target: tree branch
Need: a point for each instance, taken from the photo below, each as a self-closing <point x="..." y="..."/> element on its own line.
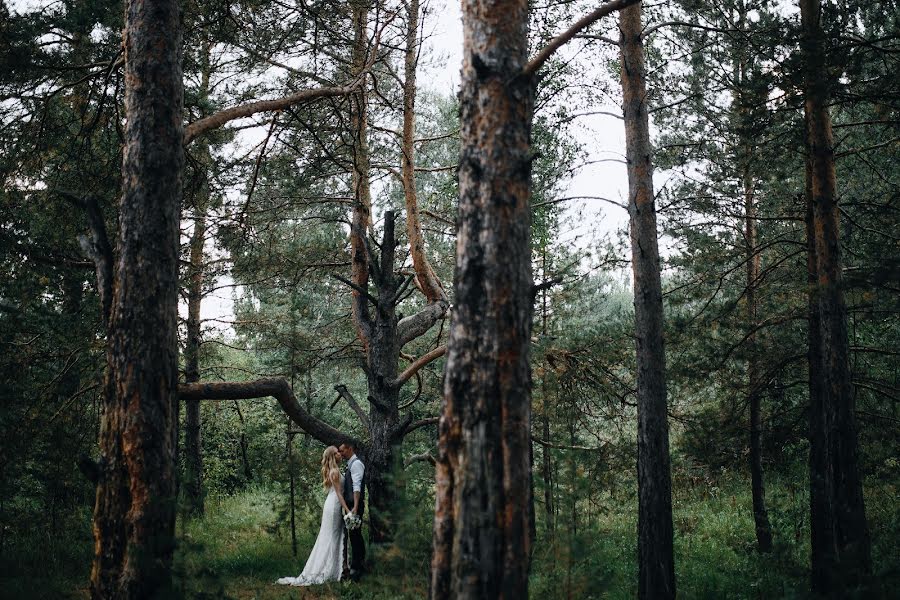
<point x="424" y="457"/>
<point x="541" y="57"/>
<point x="418" y="364"/>
<point x="346" y="395"/>
<point x="222" y="117"/>
<point x="563" y="447"/>
<point x="98" y="249"/>
<point x="417" y="424"/>
<point x="411" y="327"/>
<point x="361" y="291"/>
<point x="544" y="285"/>
<point x="279" y="389"/>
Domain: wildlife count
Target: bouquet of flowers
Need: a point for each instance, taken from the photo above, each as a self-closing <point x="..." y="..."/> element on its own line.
<point x="352" y="521"/>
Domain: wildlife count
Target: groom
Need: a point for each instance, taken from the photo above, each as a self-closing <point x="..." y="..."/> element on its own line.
<point x="354" y="488"/>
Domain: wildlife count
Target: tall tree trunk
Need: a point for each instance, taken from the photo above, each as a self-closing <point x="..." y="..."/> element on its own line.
<point x="760" y="514"/>
<point x="546" y="469"/>
<point x="655" y="551"/>
<point x="482" y="542"/>
<point x="192" y="441"/>
<point x="425" y="277"/>
<point x="823" y="544"/>
<point x="382" y="365"/>
<point x="838" y="400"/>
<point x="359" y="179"/>
<point x="193" y="454"/>
<point x="134" y="516"/>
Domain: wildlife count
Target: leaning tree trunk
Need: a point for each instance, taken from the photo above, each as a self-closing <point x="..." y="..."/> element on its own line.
<point x="838" y="401"/>
<point x="655" y="546"/>
<point x="482" y="543"/>
<point x="134" y="516"/>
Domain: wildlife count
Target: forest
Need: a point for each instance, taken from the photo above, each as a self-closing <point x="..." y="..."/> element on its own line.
<point x="605" y="296"/>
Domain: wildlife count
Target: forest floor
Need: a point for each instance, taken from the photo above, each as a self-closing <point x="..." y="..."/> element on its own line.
<point x="243" y="545"/>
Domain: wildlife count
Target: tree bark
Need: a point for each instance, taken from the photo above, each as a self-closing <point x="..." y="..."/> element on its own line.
<point x="359" y="181"/>
<point x="838" y="404"/>
<point x="193" y="456"/>
<point x="427" y="280"/>
<point x="261" y="388"/>
<point x="655" y="546"/>
<point x="823" y="543"/>
<point x="192" y="442"/>
<point x="758" y="490"/>
<point x="134" y="515"/>
<point x="482" y="542"/>
<point x="382" y="361"/>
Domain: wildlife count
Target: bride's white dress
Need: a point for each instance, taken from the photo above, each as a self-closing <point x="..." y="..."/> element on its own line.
<point x="325" y="562"/>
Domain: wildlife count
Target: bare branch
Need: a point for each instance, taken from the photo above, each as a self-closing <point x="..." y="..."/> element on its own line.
<point x="222" y="117"/>
<point x="541" y="57"/>
<point x="563" y="447"/>
<point x="418" y="364"/>
<point x="545" y="285"/>
<point x="424" y="457"/>
<point x="279" y="389"/>
<point x="420" y="423"/>
<point x="344" y="393"/>
<point x="411" y="327"/>
<point x="361" y="291"/>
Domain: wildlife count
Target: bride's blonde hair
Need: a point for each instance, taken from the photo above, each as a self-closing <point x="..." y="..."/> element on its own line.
<point x="329" y="464"/>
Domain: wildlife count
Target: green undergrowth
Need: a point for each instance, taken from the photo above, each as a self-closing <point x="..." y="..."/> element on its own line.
<point x="715" y="547"/>
<point x="243" y="545"/>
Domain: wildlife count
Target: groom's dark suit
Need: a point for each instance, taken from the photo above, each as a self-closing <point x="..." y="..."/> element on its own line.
<point x="358" y="555"/>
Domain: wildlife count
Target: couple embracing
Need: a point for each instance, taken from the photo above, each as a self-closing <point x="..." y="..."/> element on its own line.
<point x="346" y="493"/>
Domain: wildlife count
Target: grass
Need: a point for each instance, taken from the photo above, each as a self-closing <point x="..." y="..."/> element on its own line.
<point x="243" y="545"/>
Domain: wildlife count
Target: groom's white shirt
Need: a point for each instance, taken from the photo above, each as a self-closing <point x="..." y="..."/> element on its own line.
<point x="357" y="469"/>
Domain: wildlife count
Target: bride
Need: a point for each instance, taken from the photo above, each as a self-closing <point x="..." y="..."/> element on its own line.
<point x="325" y="562"/>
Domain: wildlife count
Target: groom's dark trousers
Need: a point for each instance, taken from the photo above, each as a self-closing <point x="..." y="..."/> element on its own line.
<point x="358" y="553"/>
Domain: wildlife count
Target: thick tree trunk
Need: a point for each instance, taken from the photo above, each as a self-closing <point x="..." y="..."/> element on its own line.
<point x="134" y="516"/>
<point x="838" y="400"/>
<point x="381" y="370"/>
<point x="482" y="542"/>
<point x="760" y="514"/>
<point x="823" y="543"/>
<point x="655" y="548"/>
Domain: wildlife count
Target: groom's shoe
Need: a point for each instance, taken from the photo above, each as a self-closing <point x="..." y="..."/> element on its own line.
<point x="355" y="575"/>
